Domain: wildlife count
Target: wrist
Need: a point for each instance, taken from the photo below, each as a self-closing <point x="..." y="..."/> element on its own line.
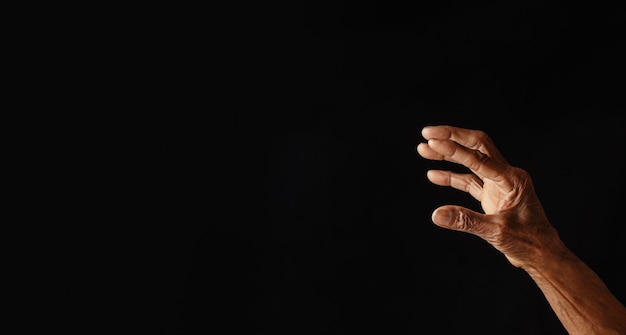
<point x="549" y="258"/>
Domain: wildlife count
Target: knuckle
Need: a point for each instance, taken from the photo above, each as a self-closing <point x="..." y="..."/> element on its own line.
<point x="521" y="175"/>
<point x="479" y="159"/>
<point x="465" y="222"/>
<point x="482" y="137"/>
<point x="482" y="157"/>
<point x="472" y="182"/>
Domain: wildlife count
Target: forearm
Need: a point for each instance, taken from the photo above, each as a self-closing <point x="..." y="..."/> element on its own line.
<point x="580" y="299"/>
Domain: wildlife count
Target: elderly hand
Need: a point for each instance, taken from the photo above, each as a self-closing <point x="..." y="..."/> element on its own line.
<point x="513" y="221"/>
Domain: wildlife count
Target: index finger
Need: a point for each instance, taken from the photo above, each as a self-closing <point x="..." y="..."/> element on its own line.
<point x="470" y="138"/>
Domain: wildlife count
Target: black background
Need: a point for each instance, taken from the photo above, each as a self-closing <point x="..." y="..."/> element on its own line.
<point x="286" y="197"/>
<point x="327" y="227"/>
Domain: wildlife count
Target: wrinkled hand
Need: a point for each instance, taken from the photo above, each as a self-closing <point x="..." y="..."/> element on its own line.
<point x="513" y="221"/>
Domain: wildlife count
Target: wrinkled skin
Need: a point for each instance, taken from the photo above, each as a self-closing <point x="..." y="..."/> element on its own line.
<point x="514" y="221"/>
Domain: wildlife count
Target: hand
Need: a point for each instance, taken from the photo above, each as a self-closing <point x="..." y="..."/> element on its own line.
<point x="513" y="221"/>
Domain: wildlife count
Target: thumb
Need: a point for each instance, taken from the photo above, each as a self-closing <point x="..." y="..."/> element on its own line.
<point x="462" y="219"/>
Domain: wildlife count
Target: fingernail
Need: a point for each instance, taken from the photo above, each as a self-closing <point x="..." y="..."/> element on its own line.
<point x="442" y="217"/>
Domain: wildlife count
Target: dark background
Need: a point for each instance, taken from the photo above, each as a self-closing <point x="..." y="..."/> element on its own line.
<point x="256" y="173"/>
<point x="327" y="224"/>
